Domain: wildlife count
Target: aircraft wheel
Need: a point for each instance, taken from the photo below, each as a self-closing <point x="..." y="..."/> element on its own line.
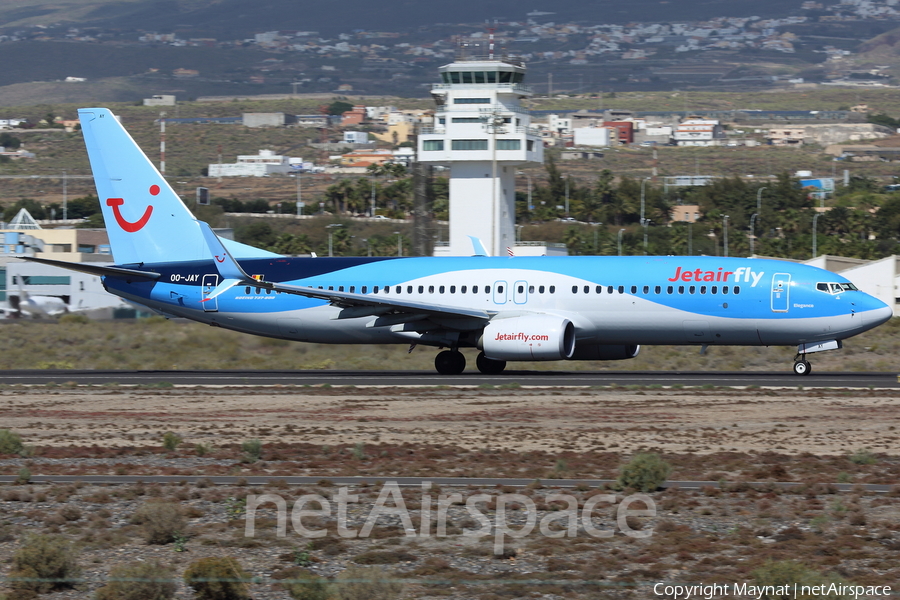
<point x="450" y="362"/>
<point x="802" y="367"/>
<point x="489" y="366"/>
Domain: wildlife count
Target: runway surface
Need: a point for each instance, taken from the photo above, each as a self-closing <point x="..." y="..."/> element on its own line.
<point x="401" y="481"/>
<point x="784" y="379"/>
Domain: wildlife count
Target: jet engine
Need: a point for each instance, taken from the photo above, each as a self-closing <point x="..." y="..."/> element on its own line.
<point x="605" y="352"/>
<point x="530" y="337"/>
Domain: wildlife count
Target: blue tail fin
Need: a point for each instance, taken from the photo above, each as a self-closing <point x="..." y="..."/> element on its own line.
<point x="145" y="219"/>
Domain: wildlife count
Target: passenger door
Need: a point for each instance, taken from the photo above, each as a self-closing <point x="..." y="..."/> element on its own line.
<point x="781" y="292"/>
<point x="210" y="282"/>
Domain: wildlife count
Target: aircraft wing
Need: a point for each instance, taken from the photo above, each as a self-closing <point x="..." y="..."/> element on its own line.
<point x="394" y="310"/>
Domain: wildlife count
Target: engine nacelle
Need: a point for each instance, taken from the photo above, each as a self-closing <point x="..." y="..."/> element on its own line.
<point x="531" y="337"/>
<point x="606" y="352"/>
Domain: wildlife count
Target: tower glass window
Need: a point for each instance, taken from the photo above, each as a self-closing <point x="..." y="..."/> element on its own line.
<point x="469" y="144"/>
<point x="433" y="145"/>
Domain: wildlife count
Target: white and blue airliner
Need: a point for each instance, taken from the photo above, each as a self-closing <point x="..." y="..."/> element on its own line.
<point x="510" y="308"/>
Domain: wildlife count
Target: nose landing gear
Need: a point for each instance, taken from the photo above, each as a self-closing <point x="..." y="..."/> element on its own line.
<point x="802" y="367"/>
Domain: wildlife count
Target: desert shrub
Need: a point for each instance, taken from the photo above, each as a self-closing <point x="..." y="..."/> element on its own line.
<point x="10" y="442"/>
<point x="217" y="578"/>
<point x="644" y="472"/>
<point x="383" y="557"/>
<point x="139" y="581"/>
<point x="366" y="583"/>
<point x="252" y="449"/>
<point x="787" y="573"/>
<point x="303" y="585"/>
<point x="70" y="513"/>
<point x="44" y="563"/>
<point x="161" y="521"/>
<point x="171" y="440"/>
<point x="863" y="457"/>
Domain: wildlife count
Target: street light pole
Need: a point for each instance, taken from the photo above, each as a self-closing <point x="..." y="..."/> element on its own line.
<point x="725" y="239"/>
<point x="620" y="241"/>
<point x="567" y="195"/>
<point x="815" y="238"/>
<point x="373" y="198"/>
<point x="330" y="234"/>
<point x="643" y="182"/>
<point x="65" y="205"/>
<point x="753" y="234"/>
<point x="690" y="239"/>
<point x="399" y="243"/>
<point x="646" y="223"/>
<point x="299" y="197"/>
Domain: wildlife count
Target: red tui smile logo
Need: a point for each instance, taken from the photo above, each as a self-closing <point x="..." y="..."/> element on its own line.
<point x="129" y="226"/>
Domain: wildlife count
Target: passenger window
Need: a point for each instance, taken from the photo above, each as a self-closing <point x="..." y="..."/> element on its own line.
<point x="552" y="289"/>
<point x="375" y="290"/>
<point x="247" y="290"/>
<point x="657" y="290"/>
<point x="692" y="289"/>
<point x="340" y="288"/>
<point x="365" y="289"/>
<point x="574" y="289"/>
<point x="399" y="289"/>
<point x="646" y="289"/>
<point x="702" y="289"/>
<point x="680" y="289"/>
<point x="462" y="290"/>
<point x="441" y="290"/>
<point x="268" y="291"/>
<point x="421" y="289"/>
<point x="530" y="289"/>
<point x="724" y="289"/>
<point x="540" y="289"/>
<point x="258" y="290"/>
<point x="409" y="289"/>
<point x="430" y="289"/>
<point x="670" y="289"/>
<point x="487" y="289"/>
<point x="452" y="289"/>
<point x="609" y="289"/>
<point x="330" y="288"/>
<point x="352" y="289"/>
<point x="634" y="289"/>
<point x="474" y="289"/>
<point x="499" y="289"/>
<point x="736" y="290"/>
<point x="621" y="289"/>
<point x="521" y="289"/>
<point x="587" y="289"/>
<point x="714" y="289"/>
<point x="598" y="289"/>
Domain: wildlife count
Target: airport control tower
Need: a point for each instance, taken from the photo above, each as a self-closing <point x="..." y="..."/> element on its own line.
<point x="482" y="132"/>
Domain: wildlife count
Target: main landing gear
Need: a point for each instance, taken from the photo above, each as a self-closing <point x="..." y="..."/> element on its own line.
<point x="450" y="362"/>
<point x="802" y="367"/>
<point x="489" y="366"/>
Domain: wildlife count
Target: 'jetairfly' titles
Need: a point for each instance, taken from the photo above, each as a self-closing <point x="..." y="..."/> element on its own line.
<point x="741" y="275"/>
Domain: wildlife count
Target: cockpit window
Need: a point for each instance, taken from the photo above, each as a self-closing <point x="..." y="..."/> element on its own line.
<point x="836" y="288"/>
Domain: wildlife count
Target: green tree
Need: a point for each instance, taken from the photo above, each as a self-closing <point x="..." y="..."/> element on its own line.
<point x="339" y="107"/>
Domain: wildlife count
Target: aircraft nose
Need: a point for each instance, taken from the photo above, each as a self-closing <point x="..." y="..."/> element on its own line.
<point x="879" y="315"/>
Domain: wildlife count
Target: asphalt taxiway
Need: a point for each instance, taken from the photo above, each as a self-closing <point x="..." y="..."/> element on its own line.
<point x="784" y="379"/>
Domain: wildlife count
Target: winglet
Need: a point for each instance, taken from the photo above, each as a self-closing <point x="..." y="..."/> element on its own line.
<point x="478" y="247"/>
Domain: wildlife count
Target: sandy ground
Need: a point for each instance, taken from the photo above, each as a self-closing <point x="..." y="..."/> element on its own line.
<point x="786" y="421"/>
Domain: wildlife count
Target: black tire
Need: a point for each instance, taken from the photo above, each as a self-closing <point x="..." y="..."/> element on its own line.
<point x="450" y="362"/>
<point x="489" y="366"/>
<point x="802" y="367"/>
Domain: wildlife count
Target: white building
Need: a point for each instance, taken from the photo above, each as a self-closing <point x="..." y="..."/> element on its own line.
<point x="482" y="132"/>
<point x="160" y="100"/>
<point x="356" y="137"/>
<point x="592" y="136"/>
<point x="249" y="165"/>
<point x="699" y="132"/>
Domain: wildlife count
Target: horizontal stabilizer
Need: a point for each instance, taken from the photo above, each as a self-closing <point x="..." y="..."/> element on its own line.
<point x="102" y="271"/>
